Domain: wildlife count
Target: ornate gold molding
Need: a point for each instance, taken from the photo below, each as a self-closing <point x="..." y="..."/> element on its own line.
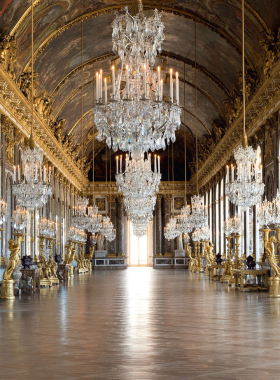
<point x="107" y="10"/>
<point x="263" y="103"/>
<point x="15" y="105"/>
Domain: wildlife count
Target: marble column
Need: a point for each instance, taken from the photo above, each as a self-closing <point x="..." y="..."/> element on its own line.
<point x="120" y="226"/>
<point x="167" y="214"/>
<point x="158" y="225"/>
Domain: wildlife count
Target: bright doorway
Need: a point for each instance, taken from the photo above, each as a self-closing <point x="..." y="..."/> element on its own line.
<point x="138" y="249"/>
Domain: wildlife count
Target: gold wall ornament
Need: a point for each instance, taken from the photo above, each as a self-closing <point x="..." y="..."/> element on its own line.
<point x="8" y="59"/>
<point x="13" y="136"/>
<point x="270" y="44"/>
<point x="24" y="83"/>
<point x="101" y="204"/>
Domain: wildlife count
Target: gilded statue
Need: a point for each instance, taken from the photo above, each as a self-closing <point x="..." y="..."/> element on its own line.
<point x="7" y="54"/>
<point x="14" y="248"/>
<point x="269" y="249"/>
<point x="270" y="44"/>
<point x="189" y="255"/>
<point x="51" y="266"/>
<point x="58" y="129"/>
<point x="24" y="83"/>
<point x="211" y="254"/>
<point x="43" y="105"/>
<point x="68" y="253"/>
<point x="91" y="254"/>
<point x="43" y="264"/>
<point x="233" y="105"/>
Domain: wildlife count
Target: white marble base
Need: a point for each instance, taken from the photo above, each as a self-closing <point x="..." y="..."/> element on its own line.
<point x="100" y="253"/>
<point x="179" y="253"/>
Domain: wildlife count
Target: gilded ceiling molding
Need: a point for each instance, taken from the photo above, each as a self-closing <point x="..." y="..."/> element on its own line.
<point x="24" y="16"/>
<point x="262" y="105"/>
<point x="120" y="8"/>
<point x="78" y="68"/>
<point x="198" y="67"/>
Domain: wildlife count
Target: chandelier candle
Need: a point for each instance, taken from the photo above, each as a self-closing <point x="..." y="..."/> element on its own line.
<point x="113" y="81"/>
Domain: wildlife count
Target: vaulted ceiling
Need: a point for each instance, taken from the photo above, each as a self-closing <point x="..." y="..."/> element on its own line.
<point x="57" y="47"/>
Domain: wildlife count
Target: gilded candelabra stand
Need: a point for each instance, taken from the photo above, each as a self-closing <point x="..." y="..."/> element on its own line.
<point x="43" y="264"/>
<point x="52" y="263"/>
<point x="228" y="271"/>
<point x="277" y="229"/>
<point x="238" y="264"/>
<point x="266" y="232"/>
<point x="7" y="288"/>
<point x="198" y="261"/>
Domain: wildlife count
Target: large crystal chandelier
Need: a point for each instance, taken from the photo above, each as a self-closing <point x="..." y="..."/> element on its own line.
<point x="232" y="226"/>
<point x="136" y="115"/>
<point x="171" y="230"/>
<point x="47" y="228"/>
<point x="199" y="212"/>
<point x="80" y="217"/>
<point x="76" y="235"/>
<point x="184" y="220"/>
<point x="19" y="219"/>
<point x="139" y="185"/>
<point x="247" y="188"/>
<point x="94" y="220"/>
<point x="31" y="188"/>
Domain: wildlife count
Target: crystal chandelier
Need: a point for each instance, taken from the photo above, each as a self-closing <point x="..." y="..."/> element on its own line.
<point x="232" y="226"/>
<point x="19" y="219"/>
<point x="76" y="235"/>
<point x="205" y="233"/>
<point x="94" y="220"/>
<point x="171" y="230"/>
<point x="268" y="213"/>
<point x="184" y="220"/>
<point x="139" y="185"/>
<point x="107" y="226"/>
<point x="111" y="235"/>
<point x="247" y="188"/>
<point x="196" y="235"/>
<point x="136" y="115"/>
<point x="47" y="228"/>
<point x="3" y="211"/>
<point x="31" y="189"/>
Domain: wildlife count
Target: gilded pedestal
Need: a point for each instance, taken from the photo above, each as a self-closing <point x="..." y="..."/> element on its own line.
<point x="228" y="272"/>
<point x="7" y="290"/>
<point x="274" y="287"/>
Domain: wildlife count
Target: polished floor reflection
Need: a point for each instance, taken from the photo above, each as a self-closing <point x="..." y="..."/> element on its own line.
<point x="140" y="324"/>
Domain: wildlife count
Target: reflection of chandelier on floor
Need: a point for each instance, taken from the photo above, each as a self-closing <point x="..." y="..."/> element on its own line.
<point x="136" y="116"/>
<point x="31" y="187"/>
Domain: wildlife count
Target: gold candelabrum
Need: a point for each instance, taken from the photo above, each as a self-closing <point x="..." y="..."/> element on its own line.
<point x="7" y="288"/>
<point x="274" y="280"/>
<point x="237" y="262"/>
<point x="266" y="232"/>
<point x="52" y="263"/>
<point x="227" y="274"/>
<point x="277" y="258"/>
<point x="198" y="261"/>
<point x="43" y="264"/>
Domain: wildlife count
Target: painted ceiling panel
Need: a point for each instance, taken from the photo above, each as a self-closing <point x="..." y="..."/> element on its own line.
<point x="64" y="53"/>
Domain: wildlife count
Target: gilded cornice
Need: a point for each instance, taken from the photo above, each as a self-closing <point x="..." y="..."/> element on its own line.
<point x="263" y="103"/>
<point x="165" y="189"/>
<point x="15" y="105"/>
<point x="107" y="10"/>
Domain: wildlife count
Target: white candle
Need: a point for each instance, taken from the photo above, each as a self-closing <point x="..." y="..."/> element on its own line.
<point x="113" y="81"/>
<point x="15" y="174"/>
<point x="158" y="164"/>
<point x="145" y="82"/>
<point x="121" y="164"/>
<point x="150" y="160"/>
<point x="177" y="87"/>
<point x="158" y="82"/>
<point x="117" y="164"/>
<point x="50" y="171"/>
<point x="155" y="164"/>
<point x="19" y="173"/>
<point x="127" y="82"/>
<point x="261" y="172"/>
<point x="44" y="174"/>
<point x="227" y="174"/>
<point x="101" y="83"/>
<point x="161" y="89"/>
<point x="96" y="87"/>
<point x="25" y="170"/>
<point x="232" y="173"/>
<point x="126" y="160"/>
<point x="36" y="175"/>
<point x="171" y="85"/>
<point x="105" y="90"/>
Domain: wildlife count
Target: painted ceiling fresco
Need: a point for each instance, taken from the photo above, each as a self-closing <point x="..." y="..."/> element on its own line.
<point x="57" y="43"/>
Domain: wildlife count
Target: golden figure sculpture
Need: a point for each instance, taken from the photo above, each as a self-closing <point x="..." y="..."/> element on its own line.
<point x="189" y="255"/>
<point x="269" y="247"/>
<point x="51" y="266"/>
<point x="91" y="254"/>
<point x="14" y="248"/>
<point x="43" y="264"/>
<point x="68" y="253"/>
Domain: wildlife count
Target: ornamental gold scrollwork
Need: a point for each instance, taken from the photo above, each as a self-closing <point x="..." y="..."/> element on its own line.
<point x="8" y="48"/>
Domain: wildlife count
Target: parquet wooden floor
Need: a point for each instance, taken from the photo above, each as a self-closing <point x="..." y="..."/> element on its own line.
<point x="140" y="324"/>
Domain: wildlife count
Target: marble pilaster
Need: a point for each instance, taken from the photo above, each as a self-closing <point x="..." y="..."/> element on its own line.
<point x="158" y="225"/>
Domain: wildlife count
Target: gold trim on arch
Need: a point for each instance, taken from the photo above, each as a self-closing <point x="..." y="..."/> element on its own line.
<point x="111" y="9"/>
